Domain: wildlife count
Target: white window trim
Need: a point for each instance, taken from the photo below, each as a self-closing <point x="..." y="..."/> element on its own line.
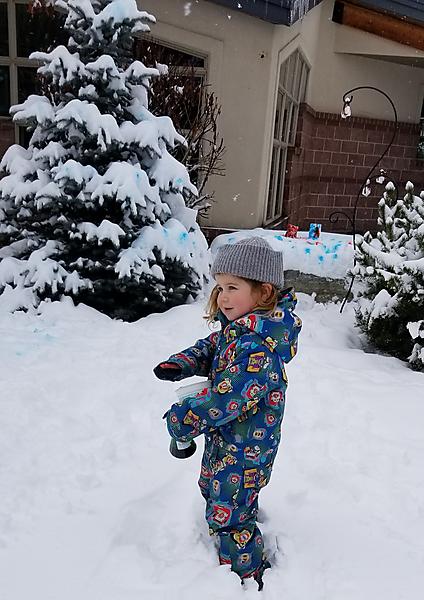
<point x="198" y="71"/>
<point x="201" y="72"/>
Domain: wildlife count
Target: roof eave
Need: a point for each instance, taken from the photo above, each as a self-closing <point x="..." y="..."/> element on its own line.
<point x="406" y="10"/>
<point x="261" y="9"/>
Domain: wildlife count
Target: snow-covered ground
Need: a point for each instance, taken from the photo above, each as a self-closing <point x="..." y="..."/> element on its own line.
<point x="93" y="507"/>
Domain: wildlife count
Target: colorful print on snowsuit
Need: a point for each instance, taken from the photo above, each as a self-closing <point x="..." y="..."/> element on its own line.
<point x="240" y="417"/>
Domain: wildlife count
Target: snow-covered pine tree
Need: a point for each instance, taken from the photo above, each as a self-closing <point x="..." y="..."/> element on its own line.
<point x="390" y="269"/>
<point x="95" y="207"/>
<point x="384" y="246"/>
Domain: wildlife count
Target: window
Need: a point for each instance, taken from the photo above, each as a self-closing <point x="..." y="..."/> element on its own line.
<point x="179" y="95"/>
<point x="293" y="80"/>
<point x="23" y="31"/>
<point x="4" y="91"/>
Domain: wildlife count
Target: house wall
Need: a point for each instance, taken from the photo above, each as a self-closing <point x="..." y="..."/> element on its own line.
<point x="331" y="156"/>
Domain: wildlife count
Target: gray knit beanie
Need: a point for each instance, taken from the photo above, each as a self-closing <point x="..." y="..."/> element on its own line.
<point x="252" y="258"/>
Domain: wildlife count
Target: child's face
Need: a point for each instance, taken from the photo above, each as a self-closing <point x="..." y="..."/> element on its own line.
<point x="236" y="296"/>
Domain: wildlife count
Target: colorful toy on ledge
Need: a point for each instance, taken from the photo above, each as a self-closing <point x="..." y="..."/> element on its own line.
<point x="291" y="231"/>
<point x="314" y="231"/>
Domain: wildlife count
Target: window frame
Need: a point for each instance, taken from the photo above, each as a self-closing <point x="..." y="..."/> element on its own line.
<point x="154" y="39"/>
<point x="13" y="61"/>
<point x="292" y="86"/>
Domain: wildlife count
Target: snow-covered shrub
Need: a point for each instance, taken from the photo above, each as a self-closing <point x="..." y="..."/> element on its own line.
<point x="390" y="267"/>
<point x="417" y="334"/>
<point x="95" y="207"/>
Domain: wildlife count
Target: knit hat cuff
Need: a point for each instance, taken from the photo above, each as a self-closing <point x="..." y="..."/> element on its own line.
<point x="251" y="258"/>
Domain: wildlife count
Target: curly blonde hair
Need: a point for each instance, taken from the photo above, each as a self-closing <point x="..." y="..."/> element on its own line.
<point x="269" y="306"/>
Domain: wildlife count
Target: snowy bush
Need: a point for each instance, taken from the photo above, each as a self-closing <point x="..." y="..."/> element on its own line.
<point x="95" y="208"/>
<point x="417" y="334"/>
<point x="390" y="267"/>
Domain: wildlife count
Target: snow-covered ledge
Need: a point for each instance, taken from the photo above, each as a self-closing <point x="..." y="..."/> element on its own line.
<point x="329" y="257"/>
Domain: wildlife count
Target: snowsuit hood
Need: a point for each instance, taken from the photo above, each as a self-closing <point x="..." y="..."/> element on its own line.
<point x="274" y="329"/>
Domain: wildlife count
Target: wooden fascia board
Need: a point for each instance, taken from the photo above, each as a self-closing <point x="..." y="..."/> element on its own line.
<point x="386" y="26"/>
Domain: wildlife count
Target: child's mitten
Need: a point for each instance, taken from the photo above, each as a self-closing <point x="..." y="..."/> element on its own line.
<point x="168" y="371"/>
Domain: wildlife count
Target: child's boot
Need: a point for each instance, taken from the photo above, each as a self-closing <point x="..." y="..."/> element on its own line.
<point x="259" y="574"/>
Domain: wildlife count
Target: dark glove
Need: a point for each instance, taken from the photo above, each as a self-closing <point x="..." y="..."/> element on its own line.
<point x="168" y="371"/>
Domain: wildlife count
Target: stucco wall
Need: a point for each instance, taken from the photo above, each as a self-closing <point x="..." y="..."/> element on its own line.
<point x="335" y="71"/>
<point x="239" y="58"/>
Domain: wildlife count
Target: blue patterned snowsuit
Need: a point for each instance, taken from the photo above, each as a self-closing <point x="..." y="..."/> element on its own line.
<point x="241" y="419"/>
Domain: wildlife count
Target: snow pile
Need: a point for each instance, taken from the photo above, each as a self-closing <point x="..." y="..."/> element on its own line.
<point x="93" y="506"/>
<point x="330" y="256"/>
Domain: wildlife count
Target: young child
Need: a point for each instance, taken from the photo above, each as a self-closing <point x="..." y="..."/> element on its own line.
<point x="241" y="414"/>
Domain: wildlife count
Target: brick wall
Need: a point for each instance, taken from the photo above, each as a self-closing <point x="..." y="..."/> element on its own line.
<point x="7" y="135"/>
<point x="331" y="159"/>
